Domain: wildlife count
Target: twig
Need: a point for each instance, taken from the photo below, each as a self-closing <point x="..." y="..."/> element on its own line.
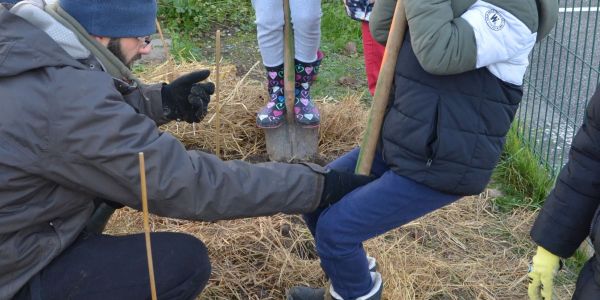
<point x="171" y="73"/>
<point x="217" y="92"/>
<point x="146" y="225"/>
<point x="171" y="67"/>
<point x="382" y="91"/>
<point x="235" y="91"/>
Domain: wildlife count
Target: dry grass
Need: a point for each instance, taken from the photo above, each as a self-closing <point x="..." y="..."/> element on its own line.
<point x="240" y="100"/>
<point x="464" y="251"/>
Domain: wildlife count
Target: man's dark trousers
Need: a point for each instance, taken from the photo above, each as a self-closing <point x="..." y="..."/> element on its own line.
<point x="116" y="267"/>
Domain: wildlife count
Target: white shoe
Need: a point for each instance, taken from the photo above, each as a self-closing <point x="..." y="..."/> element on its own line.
<point x="373" y="294"/>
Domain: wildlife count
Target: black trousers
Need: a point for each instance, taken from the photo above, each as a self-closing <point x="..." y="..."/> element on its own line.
<point x="588" y="283"/>
<point x="115" y="267"/>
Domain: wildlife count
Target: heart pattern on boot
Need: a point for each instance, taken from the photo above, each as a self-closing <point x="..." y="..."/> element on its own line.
<point x="272" y="115"/>
<point x="305" y="110"/>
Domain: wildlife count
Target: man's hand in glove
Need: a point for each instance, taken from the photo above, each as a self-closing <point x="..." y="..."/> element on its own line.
<point x="186" y="99"/>
<point x="338" y="184"/>
<point x="541" y="274"/>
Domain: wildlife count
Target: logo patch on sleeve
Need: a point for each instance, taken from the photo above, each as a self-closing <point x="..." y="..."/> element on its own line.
<point x="494" y="20"/>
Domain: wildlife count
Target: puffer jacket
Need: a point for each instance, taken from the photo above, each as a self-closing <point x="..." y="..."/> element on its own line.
<point x="457" y="87"/>
<point x="68" y="136"/>
<point x="572" y="210"/>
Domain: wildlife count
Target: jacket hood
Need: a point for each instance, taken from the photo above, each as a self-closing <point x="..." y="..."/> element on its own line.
<point x="31" y="39"/>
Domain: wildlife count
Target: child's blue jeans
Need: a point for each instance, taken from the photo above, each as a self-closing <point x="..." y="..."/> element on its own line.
<point x="382" y="205"/>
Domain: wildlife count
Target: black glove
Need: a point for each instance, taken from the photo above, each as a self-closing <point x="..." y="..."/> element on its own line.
<point x="186" y="99"/>
<point x="338" y="184"/>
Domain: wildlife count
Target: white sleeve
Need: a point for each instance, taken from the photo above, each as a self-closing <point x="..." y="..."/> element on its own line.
<point x="503" y="41"/>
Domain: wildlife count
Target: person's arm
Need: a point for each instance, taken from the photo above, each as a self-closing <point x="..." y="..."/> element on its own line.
<point x="446" y="43"/>
<point x="380" y="20"/>
<point x="94" y="144"/>
<point x="185" y="99"/>
<point x="564" y="220"/>
<point x="483" y="35"/>
<point x="442" y="43"/>
<point x="147" y="100"/>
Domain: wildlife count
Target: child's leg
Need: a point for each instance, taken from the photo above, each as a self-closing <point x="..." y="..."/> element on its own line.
<point x="345" y="163"/>
<point x="373" y="52"/>
<point x="368" y="211"/>
<point x="272" y="115"/>
<point x="269" y="30"/>
<point x="306" y="17"/>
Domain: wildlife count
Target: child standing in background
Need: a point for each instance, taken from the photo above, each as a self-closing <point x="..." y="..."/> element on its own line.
<point x="360" y="10"/>
<point x="306" y="19"/>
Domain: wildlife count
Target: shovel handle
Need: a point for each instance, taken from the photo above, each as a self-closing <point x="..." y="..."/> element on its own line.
<point x="382" y="90"/>
<point x="288" y="62"/>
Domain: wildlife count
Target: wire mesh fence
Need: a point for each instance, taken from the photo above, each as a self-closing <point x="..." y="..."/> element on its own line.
<point x="564" y="72"/>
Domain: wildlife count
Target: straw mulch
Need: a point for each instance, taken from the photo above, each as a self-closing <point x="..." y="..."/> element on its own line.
<point x="240" y="99"/>
<point x="467" y="250"/>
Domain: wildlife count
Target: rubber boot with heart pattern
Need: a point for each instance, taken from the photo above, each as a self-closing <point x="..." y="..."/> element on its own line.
<point x="273" y="114"/>
<point x="305" y="110"/>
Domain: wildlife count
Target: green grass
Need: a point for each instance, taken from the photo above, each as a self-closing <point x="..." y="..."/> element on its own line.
<point x="184" y="48"/>
<point x="197" y="18"/>
<point x="526" y="183"/>
<point x="333" y="69"/>
<point x="520" y="176"/>
<point x="196" y="21"/>
<point x="571" y="268"/>
<point x="191" y="24"/>
<point x="337" y="29"/>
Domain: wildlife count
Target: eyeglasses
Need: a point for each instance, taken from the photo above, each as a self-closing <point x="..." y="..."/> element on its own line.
<point x="145" y="40"/>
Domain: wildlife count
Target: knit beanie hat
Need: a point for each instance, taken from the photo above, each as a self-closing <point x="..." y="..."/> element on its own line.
<point x="113" y="18"/>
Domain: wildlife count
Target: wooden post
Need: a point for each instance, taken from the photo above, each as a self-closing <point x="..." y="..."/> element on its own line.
<point x="290" y="142"/>
<point x="171" y="68"/>
<point x="146" y="224"/>
<point x="382" y="91"/>
<point x="218" y="93"/>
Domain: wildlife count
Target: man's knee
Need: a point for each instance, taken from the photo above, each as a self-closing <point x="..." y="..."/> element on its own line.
<point x="197" y="256"/>
<point x="184" y="263"/>
<point x="193" y="255"/>
<point x="199" y="264"/>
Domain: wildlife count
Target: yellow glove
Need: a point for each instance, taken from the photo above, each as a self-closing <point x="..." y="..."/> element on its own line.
<point x="541" y="274"/>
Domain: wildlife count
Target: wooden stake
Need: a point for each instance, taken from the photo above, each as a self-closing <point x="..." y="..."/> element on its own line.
<point x="382" y="90"/>
<point x="146" y="224"/>
<point x="171" y="68"/>
<point x="217" y="92"/>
